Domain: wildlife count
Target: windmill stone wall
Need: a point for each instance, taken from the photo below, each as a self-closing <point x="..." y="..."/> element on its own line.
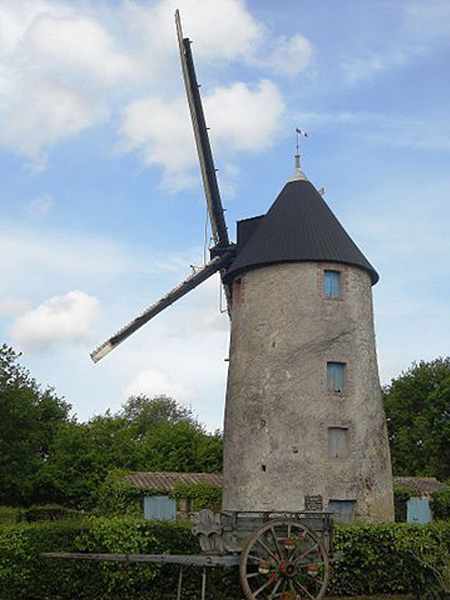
<point x="278" y="407"/>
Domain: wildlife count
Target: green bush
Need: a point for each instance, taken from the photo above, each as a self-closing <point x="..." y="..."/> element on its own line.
<point x="118" y="497"/>
<point x="440" y="503"/>
<point x="390" y="559"/>
<point x="202" y="495"/>
<point x="48" y="512"/>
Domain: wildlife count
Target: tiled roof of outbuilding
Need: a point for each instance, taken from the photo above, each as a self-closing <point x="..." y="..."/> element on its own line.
<point x="420" y="485"/>
<point x="299" y="227"/>
<point x="165" y="482"/>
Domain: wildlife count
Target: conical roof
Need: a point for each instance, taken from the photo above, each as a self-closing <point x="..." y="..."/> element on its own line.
<point x="299" y="227"/>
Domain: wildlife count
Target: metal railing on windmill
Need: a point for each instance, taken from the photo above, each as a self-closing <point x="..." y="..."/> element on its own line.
<point x="280" y="554"/>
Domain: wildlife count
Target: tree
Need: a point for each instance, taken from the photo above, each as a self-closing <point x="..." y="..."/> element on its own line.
<point x="82" y="454"/>
<point x="181" y="447"/>
<point x="29" y="419"/>
<point x="144" y="413"/>
<point x="417" y="407"/>
<point x="170" y="437"/>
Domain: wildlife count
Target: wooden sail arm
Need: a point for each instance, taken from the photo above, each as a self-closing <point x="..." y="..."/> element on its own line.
<point x="216" y="264"/>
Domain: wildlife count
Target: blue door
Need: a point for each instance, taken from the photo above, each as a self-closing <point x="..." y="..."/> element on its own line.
<point x="342" y="509"/>
<point x="418" y="511"/>
<point x="160" y="508"/>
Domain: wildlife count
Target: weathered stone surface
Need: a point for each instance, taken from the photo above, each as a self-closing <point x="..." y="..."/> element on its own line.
<point x="278" y="408"/>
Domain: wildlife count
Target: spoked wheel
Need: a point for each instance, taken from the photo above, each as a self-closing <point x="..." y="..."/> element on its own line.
<point x="284" y="560"/>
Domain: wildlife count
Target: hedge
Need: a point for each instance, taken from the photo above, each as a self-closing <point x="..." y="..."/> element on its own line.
<point x="9" y="515"/>
<point x="48" y="512"/>
<point x="391" y="558"/>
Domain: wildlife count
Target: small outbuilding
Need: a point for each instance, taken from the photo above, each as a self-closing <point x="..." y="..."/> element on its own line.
<point x="158" y="490"/>
<point x="418" y="508"/>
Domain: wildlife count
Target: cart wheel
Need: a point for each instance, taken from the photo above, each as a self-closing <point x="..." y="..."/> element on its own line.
<point x="284" y="560"/>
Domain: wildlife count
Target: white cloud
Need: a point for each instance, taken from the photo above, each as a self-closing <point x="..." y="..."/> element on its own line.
<point x="54" y="64"/>
<point x="79" y="62"/>
<point x="244" y="118"/>
<point x="61" y="319"/>
<point x="58" y="112"/>
<point x="15" y="18"/>
<point x="240" y="118"/>
<point x="39" y="106"/>
<point x="290" y="56"/>
<point x="222" y="30"/>
<point x="41" y="205"/>
<point x="160" y="131"/>
<point x="77" y="45"/>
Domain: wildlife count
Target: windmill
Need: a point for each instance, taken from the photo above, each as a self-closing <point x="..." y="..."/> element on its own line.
<point x="304" y="420"/>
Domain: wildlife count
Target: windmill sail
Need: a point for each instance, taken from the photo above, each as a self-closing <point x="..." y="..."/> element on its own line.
<point x="179" y="291"/>
<point x="215" y="208"/>
<point x="208" y="170"/>
<point x="223" y="251"/>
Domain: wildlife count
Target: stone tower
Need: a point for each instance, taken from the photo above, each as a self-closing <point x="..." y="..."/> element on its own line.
<point x="304" y="420"/>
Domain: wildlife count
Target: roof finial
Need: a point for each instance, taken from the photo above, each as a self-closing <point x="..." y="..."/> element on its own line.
<point x="298" y="173"/>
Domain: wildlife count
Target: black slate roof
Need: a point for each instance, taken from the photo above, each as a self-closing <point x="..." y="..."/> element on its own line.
<point x="299" y="227"/>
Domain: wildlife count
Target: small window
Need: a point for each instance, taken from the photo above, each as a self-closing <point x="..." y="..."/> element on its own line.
<point x="342" y="509"/>
<point x="338" y="444"/>
<point x="332" y="284"/>
<point x="336" y="377"/>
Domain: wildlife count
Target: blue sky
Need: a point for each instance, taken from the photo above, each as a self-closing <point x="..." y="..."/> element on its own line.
<point x="102" y="209"/>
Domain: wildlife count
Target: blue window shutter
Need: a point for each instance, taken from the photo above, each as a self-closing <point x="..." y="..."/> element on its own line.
<point x="338" y="443"/>
<point x="332" y="284"/>
<point x="335" y="376"/>
<point x="160" y="508"/>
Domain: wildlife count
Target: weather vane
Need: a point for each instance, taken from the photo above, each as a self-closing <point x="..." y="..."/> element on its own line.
<point x="299" y="132"/>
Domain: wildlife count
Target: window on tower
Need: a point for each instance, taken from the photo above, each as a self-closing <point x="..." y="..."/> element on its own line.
<point x="338" y="444"/>
<point x="336" y="377"/>
<point x="332" y="284"/>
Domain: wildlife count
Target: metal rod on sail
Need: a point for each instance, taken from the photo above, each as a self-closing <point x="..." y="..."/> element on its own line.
<point x="179" y="291"/>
